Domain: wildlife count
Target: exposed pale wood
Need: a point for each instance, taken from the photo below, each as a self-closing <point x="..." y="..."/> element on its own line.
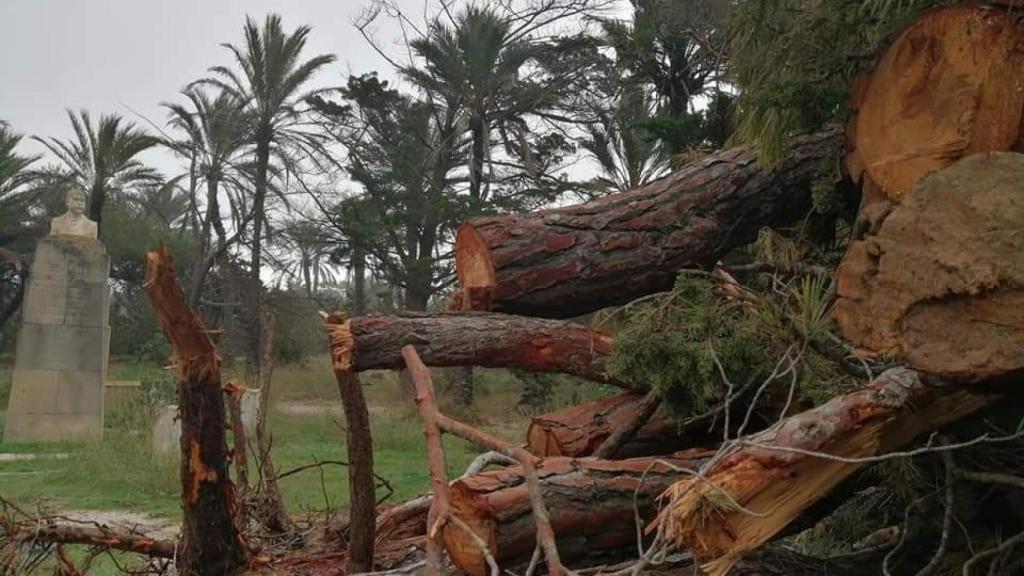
<point x="940" y="286"/>
<point x="776" y="477"/>
<point x="565" y="262"/>
<point x="950" y="85"/>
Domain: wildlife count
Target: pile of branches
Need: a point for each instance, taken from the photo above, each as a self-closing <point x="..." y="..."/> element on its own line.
<point x="818" y="361"/>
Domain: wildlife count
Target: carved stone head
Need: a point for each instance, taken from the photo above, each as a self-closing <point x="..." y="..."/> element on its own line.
<point x="75" y="200"/>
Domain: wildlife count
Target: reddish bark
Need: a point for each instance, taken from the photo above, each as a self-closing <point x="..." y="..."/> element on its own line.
<point x="480" y="339"/>
<point x="211" y="542"/>
<point x="565" y="262"/>
<point x="362" y="498"/>
<point x="52" y="532"/>
<point x="580" y="430"/>
<point x="591" y="503"/>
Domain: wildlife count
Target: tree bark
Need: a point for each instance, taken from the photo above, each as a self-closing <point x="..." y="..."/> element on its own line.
<point x="778" y="474"/>
<point x="580" y="430"/>
<point x="211" y="542"/>
<point x="274" y="515"/>
<point x="359" y="441"/>
<point x="565" y="262"/>
<point x="946" y="261"/>
<point x="239" y="448"/>
<point x="591" y="503"/>
<point x="481" y="339"/>
<point x="938" y="94"/>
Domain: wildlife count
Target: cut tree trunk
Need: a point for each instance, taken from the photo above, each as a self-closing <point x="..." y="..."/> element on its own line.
<point x="579" y="430"/>
<point x="940" y="286"/>
<point x="211" y="541"/>
<point x="949" y="86"/>
<point x="591" y="503"/>
<point x="480" y="339"/>
<point x="781" y="472"/>
<point x="362" y="493"/>
<point x="565" y="262"/>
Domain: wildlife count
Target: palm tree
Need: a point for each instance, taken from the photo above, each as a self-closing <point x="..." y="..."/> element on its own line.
<point x="103" y="159"/>
<point x="216" y="132"/>
<point x="476" y="66"/>
<point x="14" y="204"/>
<point x="627" y="156"/>
<point x="270" y="81"/>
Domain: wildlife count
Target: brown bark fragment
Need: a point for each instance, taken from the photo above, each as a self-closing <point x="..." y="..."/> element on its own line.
<point x="777" y="485"/>
<point x="565" y="262"/>
<point x="940" y="286"/>
<point x="950" y="85"/>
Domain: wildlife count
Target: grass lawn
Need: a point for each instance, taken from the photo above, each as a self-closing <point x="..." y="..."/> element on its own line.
<point x="123" y="473"/>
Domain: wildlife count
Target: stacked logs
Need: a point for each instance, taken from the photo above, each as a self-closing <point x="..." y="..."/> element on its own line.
<point x="941" y="257"/>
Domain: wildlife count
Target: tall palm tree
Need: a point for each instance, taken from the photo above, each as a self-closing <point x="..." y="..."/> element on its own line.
<point x="270" y="80"/>
<point x="476" y="66"/>
<point x="627" y="156"/>
<point x="216" y="132"/>
<point x="103" y="158"/>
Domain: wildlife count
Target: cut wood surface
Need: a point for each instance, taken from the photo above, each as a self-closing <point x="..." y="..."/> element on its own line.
<point x="776" y="476"/>
<point x="578" y="431"/>
<point x="590" y="502"/>
<point x="940" y="286"/>
<point x="211" y="541"/>
<point x="480" y="339"/>
<point x="569" y="261"/>
<point x="950" y="85"/>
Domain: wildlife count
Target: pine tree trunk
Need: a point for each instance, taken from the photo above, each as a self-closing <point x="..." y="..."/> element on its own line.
<point x="565" y="262"/>
<point x="211" y="542"/>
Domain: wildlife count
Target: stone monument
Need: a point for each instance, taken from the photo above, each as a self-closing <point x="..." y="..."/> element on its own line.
<point x="61" y="357"/>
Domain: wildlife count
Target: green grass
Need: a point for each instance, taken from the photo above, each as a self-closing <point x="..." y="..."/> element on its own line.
<point x="123" y="473"/>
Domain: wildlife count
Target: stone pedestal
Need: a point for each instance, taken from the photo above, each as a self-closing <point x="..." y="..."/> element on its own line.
<point x="61" y="358"/>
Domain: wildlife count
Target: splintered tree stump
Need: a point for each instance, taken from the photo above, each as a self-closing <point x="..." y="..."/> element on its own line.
<point x="211" y="541"/>
<point x="777" y="474"/>
<point x="569" y="261"/>
<point x="590" y="503"/>
<point x="480" y="339"/>
<point x="580" y="430"/>
<point x="940" y="286"/>
<point x="950" y="85"/>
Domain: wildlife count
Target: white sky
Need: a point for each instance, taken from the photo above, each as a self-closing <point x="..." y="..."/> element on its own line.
<point x="122" y="55"/>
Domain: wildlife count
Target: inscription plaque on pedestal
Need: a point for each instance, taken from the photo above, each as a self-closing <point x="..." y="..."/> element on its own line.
<point x="61" y="357"/>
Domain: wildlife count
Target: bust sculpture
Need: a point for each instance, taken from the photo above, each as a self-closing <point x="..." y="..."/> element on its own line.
<point x="74" y="222"/>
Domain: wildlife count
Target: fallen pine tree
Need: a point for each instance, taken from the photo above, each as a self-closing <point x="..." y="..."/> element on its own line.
<point x="565" y="262"/>
<point x="476" y="339"/>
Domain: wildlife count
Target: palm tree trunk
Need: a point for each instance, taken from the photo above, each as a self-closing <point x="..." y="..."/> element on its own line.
<point x="201" y="267"/>
<point x="256" y="289"/>
<point x="476" y="167"/>
<point x="96" y="200"/>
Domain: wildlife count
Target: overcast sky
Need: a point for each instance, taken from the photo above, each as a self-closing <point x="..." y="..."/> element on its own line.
<point x="112" y="55"/>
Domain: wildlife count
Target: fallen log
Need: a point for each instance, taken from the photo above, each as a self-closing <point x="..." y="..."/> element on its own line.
<point x="565" y="262"/>
<point x="591" y="503"/>
<point x="940" y="286"/>
<point x="48" y="531"/>
<point x="947" y="87"/>
<point x="580" y="430"/>
<point x="752" y="494"/>
<point x="211" y="541"/>
<point x="478" y="339"/>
